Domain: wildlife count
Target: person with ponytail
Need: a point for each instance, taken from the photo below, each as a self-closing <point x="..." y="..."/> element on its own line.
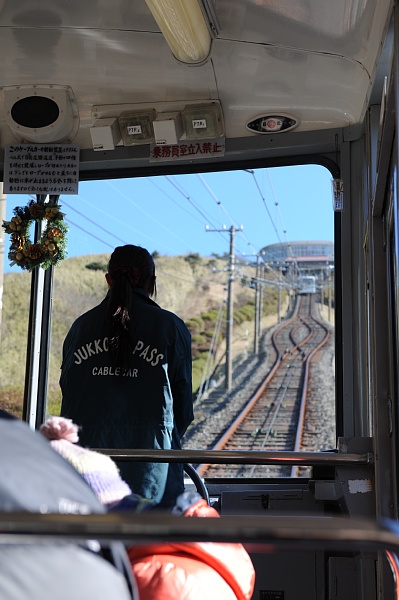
<point x="126" y="375"/>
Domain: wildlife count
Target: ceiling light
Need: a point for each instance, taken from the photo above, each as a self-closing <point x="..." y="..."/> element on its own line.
<point x="203" y="121"/>
<point x="184" y="28"/>
<point x="136" y="127"/>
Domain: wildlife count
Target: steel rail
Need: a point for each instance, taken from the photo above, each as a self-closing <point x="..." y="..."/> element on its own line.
<point x="302" y="411"/>
<point x="221" y="443"/>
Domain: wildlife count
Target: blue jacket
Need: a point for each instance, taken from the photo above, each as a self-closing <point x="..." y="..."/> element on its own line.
<point x="149" y="406"/>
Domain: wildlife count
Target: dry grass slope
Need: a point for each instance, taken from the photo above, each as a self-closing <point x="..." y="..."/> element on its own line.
<point x="188" y="285"/>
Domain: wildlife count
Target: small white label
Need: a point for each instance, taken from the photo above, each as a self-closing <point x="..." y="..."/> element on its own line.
<point x="199" y="123"/>
<point x="360" y="486"/>
<point x="98" y="147"/>
<point x="134" y="129"/>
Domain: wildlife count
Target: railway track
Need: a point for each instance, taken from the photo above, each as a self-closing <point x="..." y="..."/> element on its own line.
<point x="273" y="419"/>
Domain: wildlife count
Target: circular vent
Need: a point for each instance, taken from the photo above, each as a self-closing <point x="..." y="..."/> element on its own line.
<point x="35" y="112"/>
<point x="42" y="113"/>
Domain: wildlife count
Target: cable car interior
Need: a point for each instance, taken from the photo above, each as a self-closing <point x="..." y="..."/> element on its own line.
<point x="125" y="90"/>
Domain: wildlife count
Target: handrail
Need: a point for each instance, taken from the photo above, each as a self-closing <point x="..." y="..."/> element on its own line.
<point x="258" y="534"/>
<point x="286" y="532"/>
<point x="239" y="457"/>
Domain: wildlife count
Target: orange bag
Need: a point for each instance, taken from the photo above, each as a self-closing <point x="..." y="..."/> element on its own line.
<point x="195" y="570"/>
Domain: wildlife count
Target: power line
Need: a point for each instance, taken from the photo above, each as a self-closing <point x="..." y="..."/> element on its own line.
<point x="93" y="222"/>
<point x="165" y="273"/>
<point x="187" y="197"/>
<point x="264" y="201"/>
<point x="174" y="201"/>
<point x="147" y="214"/>
<point x="88" y="233"/>
<point x="276" y="204"/>
<point x="219" y="203"/>
<point x="177" y="277"/>
<point x="281" y="220"/>
<point x="123" y="223"/>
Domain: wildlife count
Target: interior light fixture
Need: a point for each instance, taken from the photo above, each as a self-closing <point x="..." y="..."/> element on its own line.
<point x="184" y="28"/>
<point x="203" y="121"/>
<point x="136" y="127"/>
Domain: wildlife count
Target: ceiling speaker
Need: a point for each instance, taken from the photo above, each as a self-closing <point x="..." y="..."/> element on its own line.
<point x="43" y="114"/>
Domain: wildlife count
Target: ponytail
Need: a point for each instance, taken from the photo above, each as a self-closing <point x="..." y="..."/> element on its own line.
<point x="129" y="267"/>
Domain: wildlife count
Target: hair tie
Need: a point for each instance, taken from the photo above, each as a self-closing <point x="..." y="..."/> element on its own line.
<point x="132" y="274"/>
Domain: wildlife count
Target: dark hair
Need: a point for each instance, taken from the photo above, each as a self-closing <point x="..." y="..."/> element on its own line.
<point x="129" y="267"/>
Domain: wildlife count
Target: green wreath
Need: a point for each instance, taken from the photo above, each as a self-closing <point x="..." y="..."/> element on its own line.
<point x="50" y="249"/>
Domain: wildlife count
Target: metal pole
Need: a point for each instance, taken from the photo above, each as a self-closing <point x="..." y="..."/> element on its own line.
<point x="262" y="275"/>
<point x="2" y="218"/>
<point x="38" y="348"/>
<point x="229" y="323"/>
<point x="29" y="410"/>
<point x="257" y="288"/>
<point x="279" y="299"/>
<point x="229" y="317"/>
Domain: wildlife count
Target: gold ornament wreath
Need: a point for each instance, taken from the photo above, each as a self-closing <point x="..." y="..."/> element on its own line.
<point x="50" y="249"/>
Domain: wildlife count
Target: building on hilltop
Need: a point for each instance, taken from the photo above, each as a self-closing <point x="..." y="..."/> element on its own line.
<point x="310" y="257"/>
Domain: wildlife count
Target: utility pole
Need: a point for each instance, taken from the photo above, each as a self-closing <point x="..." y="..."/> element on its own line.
<point x="257" y="303"/>
<point x="229" y="319"/>
<point x="279" y="297"/>
<point x="262" y="278"/>
<point x="229" y="322"/>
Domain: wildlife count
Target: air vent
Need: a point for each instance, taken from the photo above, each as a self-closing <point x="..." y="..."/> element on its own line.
<point x="41" y="113"/>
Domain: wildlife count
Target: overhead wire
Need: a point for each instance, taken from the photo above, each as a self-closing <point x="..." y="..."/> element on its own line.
<point x="276" y="203"/>
<point x="219" y="203"/>
<point x="123" y="223"/>
<point x="93" y="222"/>
<point x="151" y="180"/>
<point x="195" y="205"/>
<point x="68" y="220"/>
<point x="204" y="385"/>
<point x="252" y="172"/>
<point x="147" y="214"/>
<point x="186" y="196"/>
<point x="90" y="233"/>
<point x="190" y="200"/>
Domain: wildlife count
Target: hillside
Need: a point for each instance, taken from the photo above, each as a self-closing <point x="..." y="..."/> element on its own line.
<point x="192" y="286"/>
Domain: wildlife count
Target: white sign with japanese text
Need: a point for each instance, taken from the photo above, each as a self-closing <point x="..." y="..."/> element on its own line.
<point x="41" y="169"/>
<point x="187" y="149"/>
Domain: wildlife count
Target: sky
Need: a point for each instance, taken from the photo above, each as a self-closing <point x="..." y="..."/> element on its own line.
<point x="170" y="214"/>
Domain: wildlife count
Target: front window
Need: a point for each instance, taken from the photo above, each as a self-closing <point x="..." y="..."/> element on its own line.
<point x="230" y="250"/>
